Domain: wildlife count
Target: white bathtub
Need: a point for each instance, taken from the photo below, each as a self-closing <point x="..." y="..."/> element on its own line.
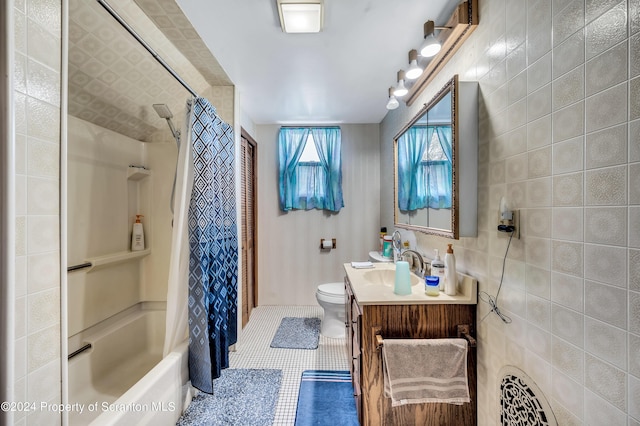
<point x="123" y="379"/>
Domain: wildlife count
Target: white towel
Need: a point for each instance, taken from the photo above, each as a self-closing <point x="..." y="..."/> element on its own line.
<point x="425" y="370"/>
<point x="361" y="265"/>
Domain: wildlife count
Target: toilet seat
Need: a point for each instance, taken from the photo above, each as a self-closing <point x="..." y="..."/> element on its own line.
<point x="331" y="292"/>
<point x="331" y="289"/>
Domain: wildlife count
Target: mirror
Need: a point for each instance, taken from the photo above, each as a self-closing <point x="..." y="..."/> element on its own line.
<point x="435" y="158"/>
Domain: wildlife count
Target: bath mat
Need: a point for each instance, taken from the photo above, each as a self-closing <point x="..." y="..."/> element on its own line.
<point x="326" y="398"/>
<point x="245" y="397"/>
<point x="297" y="333"/>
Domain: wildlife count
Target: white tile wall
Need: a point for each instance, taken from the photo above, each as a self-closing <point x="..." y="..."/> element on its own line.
<point x="37" y="85"/>
<point x="572" y="168"/>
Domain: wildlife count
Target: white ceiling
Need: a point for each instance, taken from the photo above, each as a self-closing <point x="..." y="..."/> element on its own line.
<point x="341" y="75"/>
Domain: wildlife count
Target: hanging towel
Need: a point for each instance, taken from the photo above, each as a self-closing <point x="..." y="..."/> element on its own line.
<point x="425" y="370"/>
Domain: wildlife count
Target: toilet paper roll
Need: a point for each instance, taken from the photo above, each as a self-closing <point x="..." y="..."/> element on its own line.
<point x="327" y="244"/>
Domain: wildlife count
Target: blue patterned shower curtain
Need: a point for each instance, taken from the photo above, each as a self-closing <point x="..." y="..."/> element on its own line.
<point x="213" y="245"/>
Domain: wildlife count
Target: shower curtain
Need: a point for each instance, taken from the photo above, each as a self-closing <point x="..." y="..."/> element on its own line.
<point x="205" y="246"/>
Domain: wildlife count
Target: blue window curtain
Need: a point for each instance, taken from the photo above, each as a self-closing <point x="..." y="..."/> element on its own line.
<point x="291" y="143"/>
<point x="440" y="173"/>
<point x="412" y="192"/>
<point x="308" y="185"/>
<point x="423" y="183"/>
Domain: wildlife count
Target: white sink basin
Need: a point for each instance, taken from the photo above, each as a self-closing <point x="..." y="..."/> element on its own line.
<point x="387" y="277"/>
<point x="375" y="287"/>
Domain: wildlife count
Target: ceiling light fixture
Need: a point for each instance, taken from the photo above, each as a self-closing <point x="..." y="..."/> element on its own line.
<point x="301" y="16"/>
<point x="431" y="46"/>
<point x="414" y="70"/>
<point x="392" y="103"/>
<point x="400" y="90"/>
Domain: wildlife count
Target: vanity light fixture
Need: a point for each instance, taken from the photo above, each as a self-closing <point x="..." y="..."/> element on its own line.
<point x="301" y="16"/>
<point x="438" y="50"/>
<point x="414" y="70"/>
<point x="392" y="103"/>
<point x="431" y="46"/>
<point x="400" y="89"/>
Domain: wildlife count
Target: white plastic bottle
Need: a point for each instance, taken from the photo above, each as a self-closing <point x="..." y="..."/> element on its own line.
<point x="437" y="269"/>
<point x="451" y="278"/>
<point x="137" y="236"/>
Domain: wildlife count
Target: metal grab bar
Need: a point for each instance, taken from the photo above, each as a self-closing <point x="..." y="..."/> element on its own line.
<point x="79" y="351"/>
<point x="80" y="266"/>
<point x="463" y="331"/>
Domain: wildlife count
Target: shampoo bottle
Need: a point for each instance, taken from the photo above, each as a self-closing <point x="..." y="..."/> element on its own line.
<point x="383" y="232"/>
<point x="437" y="269"/>
<point x="451" y="278"/>
<point x="137" y="236"/>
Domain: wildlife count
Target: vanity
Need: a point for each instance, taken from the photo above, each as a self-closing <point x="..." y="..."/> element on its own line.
<point x="373" y="311"/>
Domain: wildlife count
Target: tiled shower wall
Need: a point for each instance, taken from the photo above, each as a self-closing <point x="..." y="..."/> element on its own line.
<point x="37" y="114"/>
<point x="560" y="138"/>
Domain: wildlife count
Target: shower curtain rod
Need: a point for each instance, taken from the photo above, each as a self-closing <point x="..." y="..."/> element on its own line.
<point x="144" y="44"/>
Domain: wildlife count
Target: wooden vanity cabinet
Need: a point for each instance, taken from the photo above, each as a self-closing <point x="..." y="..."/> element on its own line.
<point x="421" y="321"/>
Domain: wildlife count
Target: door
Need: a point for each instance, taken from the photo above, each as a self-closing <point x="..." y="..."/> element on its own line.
<point x="248" y="156"/>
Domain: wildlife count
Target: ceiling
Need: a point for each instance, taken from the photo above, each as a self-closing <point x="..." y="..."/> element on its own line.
<point x="114" y="81"/>
<point x="341" y="75"/>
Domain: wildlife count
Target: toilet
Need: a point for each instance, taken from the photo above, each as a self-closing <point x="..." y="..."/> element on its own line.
<point x="330" y="297"/>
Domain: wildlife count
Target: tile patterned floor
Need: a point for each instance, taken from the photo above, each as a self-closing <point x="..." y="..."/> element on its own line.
<point x="253" y="351"/>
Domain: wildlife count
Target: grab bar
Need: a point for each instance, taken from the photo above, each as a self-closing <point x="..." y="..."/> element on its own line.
<point x="79" y="351"/>
<point x="80" y="266"/>
<point x="463" y="331"/>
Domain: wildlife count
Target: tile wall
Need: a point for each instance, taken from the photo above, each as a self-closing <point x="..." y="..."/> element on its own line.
<point x="37" y="115"/>
<point x="560" y="138"/>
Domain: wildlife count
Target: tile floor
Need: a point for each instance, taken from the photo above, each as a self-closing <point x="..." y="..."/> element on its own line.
<point x="253" y="351"/>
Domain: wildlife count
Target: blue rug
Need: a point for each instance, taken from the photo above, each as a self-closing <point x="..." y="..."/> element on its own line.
<point x="326" y="398"/>
<point x="297" y="333"/>
<point x="244" y="397"/>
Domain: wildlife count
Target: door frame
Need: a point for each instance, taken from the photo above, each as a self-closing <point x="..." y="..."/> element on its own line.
<point x="245" y="135"/>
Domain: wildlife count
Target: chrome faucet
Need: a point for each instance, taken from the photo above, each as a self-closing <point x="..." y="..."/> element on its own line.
<point x="398" y="254"/>
<point x="420" y="270"/>
<point x="396" y="241"/>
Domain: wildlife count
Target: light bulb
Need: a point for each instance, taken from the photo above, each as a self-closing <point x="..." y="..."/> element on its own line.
<point x="430" y="47"/>
<point x="414" y="70"/>
<point x="400" y="90"/>
<point x="393" y="103"/>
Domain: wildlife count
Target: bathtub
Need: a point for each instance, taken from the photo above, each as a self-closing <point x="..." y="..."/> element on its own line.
<point x="123" y="378"/>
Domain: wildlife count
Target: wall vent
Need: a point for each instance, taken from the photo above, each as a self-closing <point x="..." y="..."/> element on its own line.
<point x="522" y="403"/>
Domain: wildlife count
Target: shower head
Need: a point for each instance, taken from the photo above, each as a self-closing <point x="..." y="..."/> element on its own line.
<point x="163" y="110"/>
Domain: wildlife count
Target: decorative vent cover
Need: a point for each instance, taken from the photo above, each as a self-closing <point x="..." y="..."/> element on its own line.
<point x="521" y="401"/>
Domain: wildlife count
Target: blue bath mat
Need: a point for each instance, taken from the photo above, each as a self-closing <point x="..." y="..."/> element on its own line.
<point x="297" y="333"/>
<point x="326" y="398"/>
<point x="245" y="397"/>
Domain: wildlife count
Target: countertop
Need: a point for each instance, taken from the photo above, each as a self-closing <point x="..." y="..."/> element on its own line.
<point x="369" y="290"/>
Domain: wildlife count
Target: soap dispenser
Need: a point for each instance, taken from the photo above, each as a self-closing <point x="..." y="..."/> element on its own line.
<point x="437" y="269"/>
<point x="451" y="277"/>
<point x="137" y="236"/>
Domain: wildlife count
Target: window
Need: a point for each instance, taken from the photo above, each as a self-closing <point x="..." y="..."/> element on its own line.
<point x="309" y="153"/>
<point x="310" y="168"/>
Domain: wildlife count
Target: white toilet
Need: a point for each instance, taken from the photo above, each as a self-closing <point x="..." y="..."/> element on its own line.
<point x="331" y="298"/>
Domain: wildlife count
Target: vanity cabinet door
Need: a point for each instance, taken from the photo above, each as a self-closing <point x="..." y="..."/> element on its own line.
<point x="354" y="328"/>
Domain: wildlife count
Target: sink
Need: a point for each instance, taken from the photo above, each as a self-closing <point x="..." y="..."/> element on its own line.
<point x="387" y="277"/>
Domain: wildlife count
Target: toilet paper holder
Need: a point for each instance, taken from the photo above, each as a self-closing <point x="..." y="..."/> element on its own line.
<point x="324" y="244"/>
